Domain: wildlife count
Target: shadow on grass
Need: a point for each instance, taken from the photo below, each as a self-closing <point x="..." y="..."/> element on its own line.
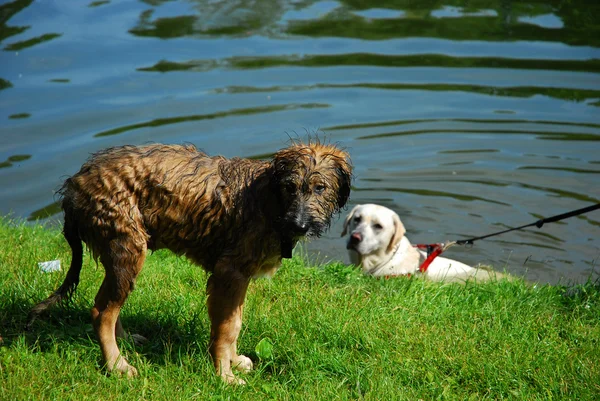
<point x="585" y="295"/>
<point x="169" y="341"/>
<point x="60" y="324"/>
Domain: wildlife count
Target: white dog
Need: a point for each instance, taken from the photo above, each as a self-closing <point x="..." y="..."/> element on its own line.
<point x="377" y="244"/>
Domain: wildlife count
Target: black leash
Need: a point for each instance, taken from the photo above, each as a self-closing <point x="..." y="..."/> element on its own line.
<point x="538" y="223"/>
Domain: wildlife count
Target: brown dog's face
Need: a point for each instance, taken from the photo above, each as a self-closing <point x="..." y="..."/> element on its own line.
<point x="313" y="182"/>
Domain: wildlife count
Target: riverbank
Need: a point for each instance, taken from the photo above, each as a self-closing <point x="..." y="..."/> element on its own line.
<point x="335" y="334"/>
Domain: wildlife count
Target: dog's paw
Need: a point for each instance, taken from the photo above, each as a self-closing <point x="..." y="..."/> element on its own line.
<point x="231" y="379"/>
<point x="131" y="372"/>
<point x="242" y="363"/>
<point x="121" y="367"/>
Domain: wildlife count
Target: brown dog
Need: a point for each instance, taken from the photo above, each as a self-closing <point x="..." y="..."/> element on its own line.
<point x="235" y="217"/>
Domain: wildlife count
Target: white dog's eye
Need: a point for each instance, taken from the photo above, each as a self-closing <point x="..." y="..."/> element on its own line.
<point x="357" y="219"/>
<point x="377" y="226"/>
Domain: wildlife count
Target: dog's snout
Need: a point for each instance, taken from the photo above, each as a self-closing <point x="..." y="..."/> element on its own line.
<point x="298" y="219"/>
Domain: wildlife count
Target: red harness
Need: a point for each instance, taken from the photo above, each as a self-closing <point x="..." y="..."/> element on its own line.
<point x="433" y="251"/>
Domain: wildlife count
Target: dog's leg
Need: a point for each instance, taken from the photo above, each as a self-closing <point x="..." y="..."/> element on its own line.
<point x="239" y="362"/>
<point x="226" y="293"/>
<point x="121" y="268"/>
<point x="72" y="279"/>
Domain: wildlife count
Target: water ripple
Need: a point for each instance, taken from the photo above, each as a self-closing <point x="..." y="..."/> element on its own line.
<point x="549" y="135"/>
<point x="378" y="60"/>
<point x="466" y="120"/>
<point x="181" y="119"/>
<point x="570" y="94"/>
<point x="433" y="193"/>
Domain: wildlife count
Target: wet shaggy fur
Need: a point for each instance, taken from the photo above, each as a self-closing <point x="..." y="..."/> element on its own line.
<point x="237" y="218"/>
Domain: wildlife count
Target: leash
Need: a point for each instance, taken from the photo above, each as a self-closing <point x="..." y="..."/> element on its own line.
<point x="434" y="250"/>
<point x="538" y="223"/>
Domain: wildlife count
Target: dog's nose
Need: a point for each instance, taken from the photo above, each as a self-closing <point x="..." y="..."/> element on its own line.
<point x="300" y="226"/>
<point x="355" y="239"/>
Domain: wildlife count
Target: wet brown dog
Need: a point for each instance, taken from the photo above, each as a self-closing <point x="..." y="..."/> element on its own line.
<point x="235" y="217"/>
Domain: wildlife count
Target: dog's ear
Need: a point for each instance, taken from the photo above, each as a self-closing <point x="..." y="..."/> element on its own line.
<point x="399" y="232"/>
<point x="281" y="163"/>
<point x="347" y="220"/>
<point x="344" y="176"/>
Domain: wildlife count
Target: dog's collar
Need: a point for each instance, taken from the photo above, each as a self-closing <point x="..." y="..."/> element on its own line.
<point x="393" y="253"/>
<point x="390" y="260"/>
<point x="381" y="265"/>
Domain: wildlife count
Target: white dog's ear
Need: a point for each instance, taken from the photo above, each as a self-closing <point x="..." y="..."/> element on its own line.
<point x="399" y="232"/>
<point x="347" y="221"/>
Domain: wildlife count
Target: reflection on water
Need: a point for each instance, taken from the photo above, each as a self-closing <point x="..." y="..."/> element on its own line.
<point x="378" y="60"/>
<point x="4" y="84"/>
<point x="429" y="192"/>
<point x="181" y="119"/>
<point x="19" y="115"/>
<point x="464" y="118"/>
<point x="45" y="212"/>
<point x="31" y="42"/>
<point x="11" y="160"/>
<point x="577" y="95"/>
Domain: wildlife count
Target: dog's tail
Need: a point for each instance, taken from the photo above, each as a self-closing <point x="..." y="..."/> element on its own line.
<point x="64" y="292"/>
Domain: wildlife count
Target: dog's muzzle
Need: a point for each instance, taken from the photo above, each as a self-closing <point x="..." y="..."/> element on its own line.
<point x="294" y="228"/>
<point x="300" y="224"/>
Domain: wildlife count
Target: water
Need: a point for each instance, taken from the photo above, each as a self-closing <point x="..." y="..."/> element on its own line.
<point x="463" y="120"/>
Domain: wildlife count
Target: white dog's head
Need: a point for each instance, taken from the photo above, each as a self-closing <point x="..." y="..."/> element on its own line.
<point x="374" y="230"/>
<point x="377" y="244"/>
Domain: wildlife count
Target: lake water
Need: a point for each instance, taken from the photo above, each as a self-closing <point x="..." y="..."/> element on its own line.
<point x="465" y="121"/>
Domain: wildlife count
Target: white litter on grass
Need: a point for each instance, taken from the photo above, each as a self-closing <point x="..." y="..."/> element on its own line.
<point x="50" y="266"/>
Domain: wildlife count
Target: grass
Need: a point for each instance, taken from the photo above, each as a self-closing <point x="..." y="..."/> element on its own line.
<point x="336" y="335"/>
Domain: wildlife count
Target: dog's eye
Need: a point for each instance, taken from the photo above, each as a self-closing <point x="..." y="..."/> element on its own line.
<point x="357" y="219"/>
<point x="319" y="188"/>
<point x="377" y="226"/>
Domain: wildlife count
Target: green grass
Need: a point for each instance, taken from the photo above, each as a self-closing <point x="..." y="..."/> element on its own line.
<point x="336" y="334"/>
